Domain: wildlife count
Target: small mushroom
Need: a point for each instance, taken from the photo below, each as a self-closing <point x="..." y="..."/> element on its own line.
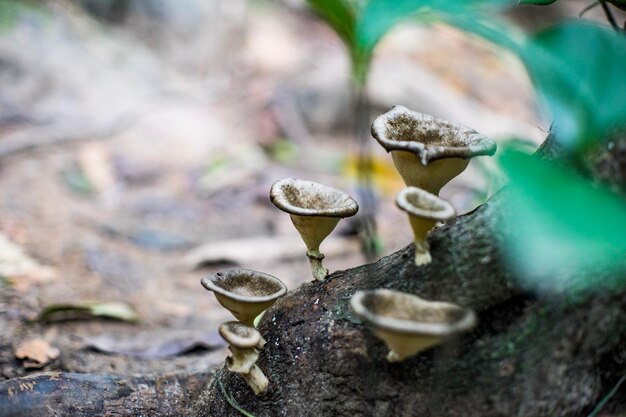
<point x="315" y="210"/>
<point x="407" y="323"/>
<point x="428" y="152"/>
<point x="243" y="342"/>
<point x="245" y="292"/>
<point x="424" y="210"/>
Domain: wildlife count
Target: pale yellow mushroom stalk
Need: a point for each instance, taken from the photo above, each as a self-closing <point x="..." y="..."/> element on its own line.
<point x="315" y="209"/>
<point x="407" y="323"/>
<point x="424" y="210"/>
<point x="428" y="152"/>
<point x="244" y="342"/>
<point x="246" y="293"/>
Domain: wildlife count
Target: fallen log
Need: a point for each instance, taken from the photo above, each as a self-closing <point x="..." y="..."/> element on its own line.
<point x="529" y="355"/>
<point x="86" y="395"/>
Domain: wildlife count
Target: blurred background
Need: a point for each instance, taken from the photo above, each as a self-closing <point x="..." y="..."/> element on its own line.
<point x="139" y="140"/>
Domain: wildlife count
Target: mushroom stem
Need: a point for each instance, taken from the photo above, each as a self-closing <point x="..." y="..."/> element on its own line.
<point x="315" y="259"/>
<point x="257" y="380"/>
<point x="242" y="360"/>
<point x="421" y="227"/>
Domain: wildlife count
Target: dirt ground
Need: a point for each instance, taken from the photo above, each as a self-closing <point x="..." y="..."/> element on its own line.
<point x="137" y="153"/>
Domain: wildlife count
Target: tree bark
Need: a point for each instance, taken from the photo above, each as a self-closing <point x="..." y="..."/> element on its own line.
<point x="87" y="395"/>
<point x="528" y="356"/>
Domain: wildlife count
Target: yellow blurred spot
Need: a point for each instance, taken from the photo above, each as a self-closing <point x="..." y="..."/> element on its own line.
<point x="384" y="176"/>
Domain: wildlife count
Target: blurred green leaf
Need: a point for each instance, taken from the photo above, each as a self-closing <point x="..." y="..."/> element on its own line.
<point x="577" y="68"/>
<point x="338" y="14"/>
<point x="379" y="16"/>
<point x="77" y="182"/>
<point x="559" y="225"/>
<point x="342" y="16"/>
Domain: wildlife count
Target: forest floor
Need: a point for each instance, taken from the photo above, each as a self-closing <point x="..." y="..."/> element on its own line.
<point x="136" y="156"/>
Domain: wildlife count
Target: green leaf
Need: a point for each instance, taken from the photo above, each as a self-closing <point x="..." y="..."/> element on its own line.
<point x="342" y="16"/>
<point x="338" y="14"/>
<point x="577" y="68"/>
<point x="379" y="16"/>
<point x="560" y="227"/>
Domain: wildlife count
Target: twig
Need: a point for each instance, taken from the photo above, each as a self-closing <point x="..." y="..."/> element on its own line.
<point x="586" y="9"/>
<point x="609" y="15"/>
<point x="230" y="399"/>
<point x="608" y="396"/>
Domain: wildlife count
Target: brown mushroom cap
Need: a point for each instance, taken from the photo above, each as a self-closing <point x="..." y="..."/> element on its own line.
<point x="429" y="138"/>
<point x="406" y="313"/>
<point x="308" y="198"/>
<point x="245" y="285"/>
<point x="421" y="203"/>
<point x="239" y="335"/>
<point x="245" y="292"/>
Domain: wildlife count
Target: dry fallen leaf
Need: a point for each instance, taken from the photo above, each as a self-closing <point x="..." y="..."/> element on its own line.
<point x="36" y="353"/>
<point x="87" y="310"/>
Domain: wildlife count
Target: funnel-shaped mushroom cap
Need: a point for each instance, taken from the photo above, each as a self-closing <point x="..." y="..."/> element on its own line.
<point x="315" y="209"/>
<point x="424" y="210"/>
<point x="242" y="340"/>
<point x="308" y="198"/>
<point x="240" y="335"/>
<point x="409" y="324"/>
<point x="245" y="292"/>
<point x="428" y="152"/>
<point x="420" y="203"/>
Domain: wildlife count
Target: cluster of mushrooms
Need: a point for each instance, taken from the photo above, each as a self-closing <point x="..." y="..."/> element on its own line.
<point x="428" y="153"/>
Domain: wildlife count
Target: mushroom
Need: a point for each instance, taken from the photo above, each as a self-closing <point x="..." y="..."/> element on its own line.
<point x="424" y="210"/>
<point x="315" y="210"/>
<point x="243" y="341"/>
<point x="428" y="152"/>
<point x="245" y="292"/>
<point x="407" y="323"/>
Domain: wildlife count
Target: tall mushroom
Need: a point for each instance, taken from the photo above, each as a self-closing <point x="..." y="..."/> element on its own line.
<point x="424" y="210"/>
<point x="426" y="151"/>
<point x="407" y="323"/>
<point x="243" y="342"/>
<point x="315" y="209"/>
<point x="245" y="292"/>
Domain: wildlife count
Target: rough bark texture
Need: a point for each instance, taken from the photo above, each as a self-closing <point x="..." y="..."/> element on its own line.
<point x="528" y="356"/>
<point x="72" y="394"/>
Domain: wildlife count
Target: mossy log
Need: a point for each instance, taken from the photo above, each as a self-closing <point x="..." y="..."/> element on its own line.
<point x="529" y="355"/>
